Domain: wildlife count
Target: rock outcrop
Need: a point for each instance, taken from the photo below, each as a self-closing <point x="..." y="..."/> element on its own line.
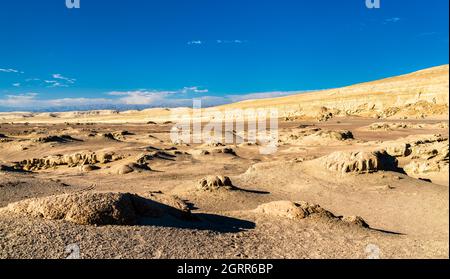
<point x="100" y="208"/>
<point x="359" y="162"/>
<point x="72" y="160"/>
<point x="302" y="210"/>
<point x="214" y="183"/>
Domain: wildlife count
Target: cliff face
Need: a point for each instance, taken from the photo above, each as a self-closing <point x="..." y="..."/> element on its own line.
<point x="428" y="89"/>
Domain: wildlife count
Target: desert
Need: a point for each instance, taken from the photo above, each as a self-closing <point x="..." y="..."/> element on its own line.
<point x="357" y="172"/>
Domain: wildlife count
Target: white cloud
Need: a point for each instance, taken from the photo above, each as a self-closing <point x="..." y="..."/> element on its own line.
<point x="392" y="20"/>
<point x="195" y="42"/>
<point x="194" y="89"/>
<point x="18" y="84"/>
<point x="11" y="71"/>
<point x="21" y="100"/>
<point x="54" y="83"/>
<point x="31" y="101"/>
<point x="145" y="98"/>
<point x="260" y="95"/>
<point x="58" y="81"/>
<point x="230" y="41"/>
<point x="153" y="97"/>
<point x="66" y="79"/>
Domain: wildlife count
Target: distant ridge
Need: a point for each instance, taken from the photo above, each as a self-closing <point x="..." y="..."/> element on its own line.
<point x="419" y="94"/>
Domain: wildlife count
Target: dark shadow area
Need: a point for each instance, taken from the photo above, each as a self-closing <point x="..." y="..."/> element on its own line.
<point x="58" y="139"/>
<point x="426" y="180"/>
<point x="201" y="221"/>
<point x="387" y="232"/>
<point x="153" y="213"/>
<point x="251" y="191"/>
<point x="4" y="168"/>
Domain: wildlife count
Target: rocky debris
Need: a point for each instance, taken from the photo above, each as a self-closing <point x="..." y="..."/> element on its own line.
<point x="418" y="147"/>
<point x="100" y="208"/>
<point x="302" y="210"/>
<point x="417" y="110"/>
<point x="429" y="161"/>
<point x="220" y="150"/>
<point x="359" y="162"/>
<point x="214" y="183"/>
<point x="297" y="135"/>
<point x="72" y="160"/>
<point x="426" y="156"/>
<point x="428" y="151"/>
<point x="212" y="144"/>
<point x="334" y="135"/>
<point x="398" y="149"/>
<point x="324" y="115"/>
<point x="389" y="126"/>
<point x="386" y="126"/>
<point x="225" y="150"/>
<point x="419" y="169"/>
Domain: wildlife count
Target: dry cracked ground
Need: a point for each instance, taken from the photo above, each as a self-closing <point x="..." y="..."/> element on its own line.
<point x="340" y="187"/>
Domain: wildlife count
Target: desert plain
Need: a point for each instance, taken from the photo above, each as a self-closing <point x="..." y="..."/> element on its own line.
<point x="358" y="172"/>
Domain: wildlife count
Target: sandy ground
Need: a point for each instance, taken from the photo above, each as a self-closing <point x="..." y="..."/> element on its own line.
<point x="408" y="213"/>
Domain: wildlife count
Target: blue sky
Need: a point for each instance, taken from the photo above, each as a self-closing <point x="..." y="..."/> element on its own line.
<point x="147" y="53"/>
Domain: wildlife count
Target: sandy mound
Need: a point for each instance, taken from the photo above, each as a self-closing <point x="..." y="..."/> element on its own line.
<point x="72" y="160"/>
<point x="332" y="135"/>
<point x="359" y="162"/>
<point x="88" y="168"/>
<point x="97" y="208"/>
<point x="302" y="210"/>
<point x="129" y="168"/>
<point x="314" y="136"/>
<point x="173" y="205"/>
<point x="214" y="183"/>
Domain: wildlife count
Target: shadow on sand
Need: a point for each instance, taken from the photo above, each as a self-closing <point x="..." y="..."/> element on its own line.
<point x="201" y="221"/>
